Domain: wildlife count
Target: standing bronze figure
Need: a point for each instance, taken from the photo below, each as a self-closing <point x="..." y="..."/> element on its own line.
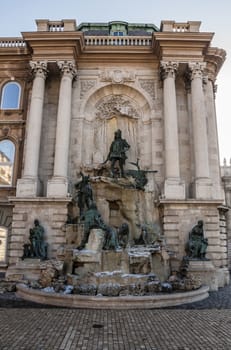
<point x="84" y="193"/>
<point x="117" y="153"/>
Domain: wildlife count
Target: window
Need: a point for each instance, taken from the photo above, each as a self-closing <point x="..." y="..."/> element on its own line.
<point x="118" y="28"/>
<point x="7" y="151"/>
<point x="118" y="33"/>
<point x="3" y="242"/>
<point x="11" y="96"/>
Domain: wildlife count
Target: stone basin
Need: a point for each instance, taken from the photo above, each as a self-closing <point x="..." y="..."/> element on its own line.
<point x="159" y="300"/>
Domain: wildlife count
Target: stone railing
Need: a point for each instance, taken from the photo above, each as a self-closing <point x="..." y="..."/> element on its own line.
<point x="118" y="41"/>
<point x="12" y="42"/>
<point x="44" y="25"/>
<point x="172" y="26"/>
<point x="55" y="27"/>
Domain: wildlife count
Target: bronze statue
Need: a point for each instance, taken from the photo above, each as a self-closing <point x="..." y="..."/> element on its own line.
<point x="92" y="219"/>
<point x="110" y="239"/>
<point x="139" y="175"/>
<point x="197" y="244"/>
<point x="123" y="235"/>
<point x="37" y="248"/>
<point x="143" y="237"/>
<point x="84" y="193"/>
<point x="117" y="153"/>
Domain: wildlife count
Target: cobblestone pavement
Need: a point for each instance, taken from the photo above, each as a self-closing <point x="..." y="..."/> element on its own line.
<point x="203" y="325"/>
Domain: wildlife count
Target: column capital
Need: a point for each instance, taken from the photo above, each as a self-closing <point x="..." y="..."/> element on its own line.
<point x="196" y="69"/>
<point x="211" y="76"/>
<point x="39" y="68"/>
<point x="68" y="68"/>
<point x="168" y="69"/>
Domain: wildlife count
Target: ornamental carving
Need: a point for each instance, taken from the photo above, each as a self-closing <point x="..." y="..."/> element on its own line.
<point x="39" y="68"/>
<point x="116" y="104"/>
<point x="117" y="76"/>
<point x="149" y="86"/>
<point x="196" y="69"/>
<point x="67" y="68"/>
<point x="85" y="86"/>
<point x="168" y="69"/>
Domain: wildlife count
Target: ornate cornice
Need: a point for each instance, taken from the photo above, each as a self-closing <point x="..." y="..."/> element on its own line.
<point x="215" y="58"/>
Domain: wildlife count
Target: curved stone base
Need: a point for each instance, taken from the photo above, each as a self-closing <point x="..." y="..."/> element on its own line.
<point x="123" y="302"/>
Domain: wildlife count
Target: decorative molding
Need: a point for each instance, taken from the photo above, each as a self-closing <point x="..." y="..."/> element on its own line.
<point x="168" y="69"/>
<point x="196" y="69"/>
<point x="86" y="85"/>
<point x="117" y="76"/>
<point x="116" y="104"/>
<point x="149" y="86"/>
<point x="39" y="68"/>
<point x="67" y="68"/>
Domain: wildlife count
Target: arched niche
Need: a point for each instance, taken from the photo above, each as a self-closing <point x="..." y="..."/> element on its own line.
<point x="107" y="109"/>
<point x="7" y="155"/>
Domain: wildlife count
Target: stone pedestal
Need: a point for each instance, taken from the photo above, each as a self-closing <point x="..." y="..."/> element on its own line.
<point x="115" y="260"/>
<point x="203" y="189"/>
<point x="85" y="262"/>
<point x="95" y="240"/>
<point x="28" y="269"/>
<point x="174" y="189"/>
<point x="28" y="187"/>
<point x="140" y="264"/>
<point x="205" y="271"/>
<point x="57" y="187"/>
<point x="90" y="258"/>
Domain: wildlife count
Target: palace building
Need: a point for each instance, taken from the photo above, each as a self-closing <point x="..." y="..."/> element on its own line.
<point x="66" y="88"/>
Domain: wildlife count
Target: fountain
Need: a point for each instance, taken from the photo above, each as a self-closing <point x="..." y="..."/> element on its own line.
<point x="118" y="262"/>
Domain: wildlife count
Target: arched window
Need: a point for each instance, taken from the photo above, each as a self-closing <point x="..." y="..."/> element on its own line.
<point x="7" y="152"/>
<point x="3" y="244"/>
<point x="11" y="96"/>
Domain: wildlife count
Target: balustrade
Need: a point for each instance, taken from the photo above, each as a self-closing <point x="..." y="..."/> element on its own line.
<point x="117" y="41"/>
<point x="12" y="42"/>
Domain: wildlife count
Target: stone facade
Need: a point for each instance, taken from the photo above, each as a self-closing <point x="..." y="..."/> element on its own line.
<point x="79" y="85"/>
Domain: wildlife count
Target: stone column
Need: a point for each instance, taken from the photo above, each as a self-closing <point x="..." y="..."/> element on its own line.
<point x="213" y="148"/>
<point x="58" y="185"/>
<point x="202" y="184"/>
<point x="28" y="186"/>
<point x="174" y="188"/>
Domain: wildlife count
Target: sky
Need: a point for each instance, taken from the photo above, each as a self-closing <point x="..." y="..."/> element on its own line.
<point x="18" y="16"/>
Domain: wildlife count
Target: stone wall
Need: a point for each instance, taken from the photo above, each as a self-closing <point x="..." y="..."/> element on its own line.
<point x="51" y="214"/>
<point x="178" y="220"/>
<point x="5" y="224"/>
